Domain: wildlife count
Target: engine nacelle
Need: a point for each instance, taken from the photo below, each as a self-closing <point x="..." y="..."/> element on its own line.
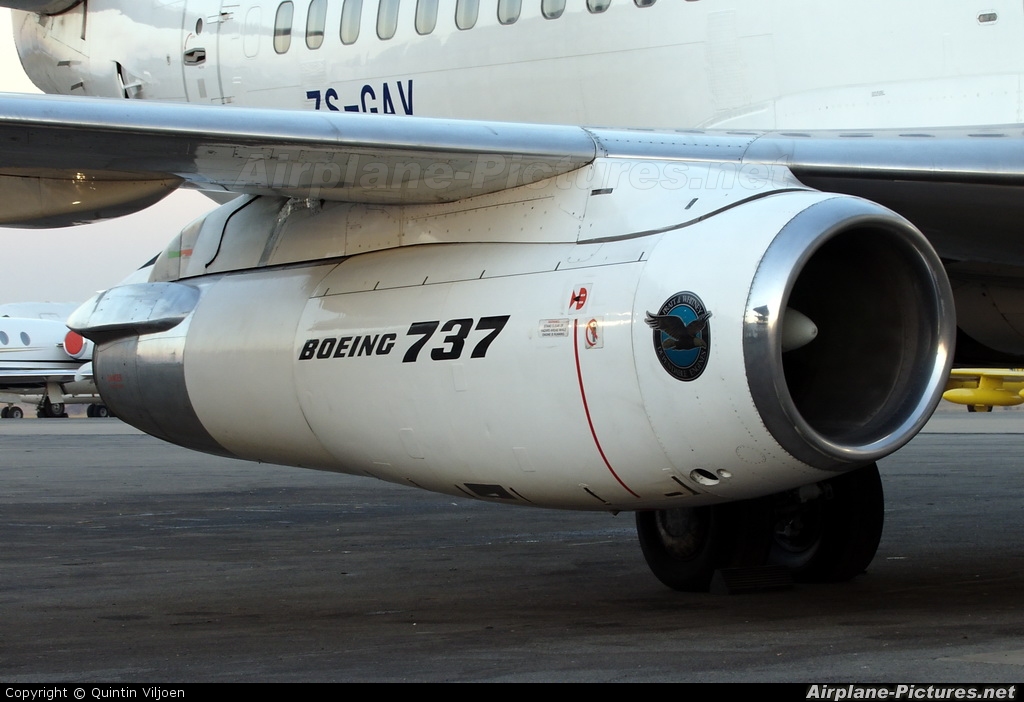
<point x="41" y="7"/>
<point x="643" y="371"/>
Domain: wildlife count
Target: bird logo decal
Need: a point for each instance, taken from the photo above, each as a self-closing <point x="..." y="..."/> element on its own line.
<point x="682" y="335"/>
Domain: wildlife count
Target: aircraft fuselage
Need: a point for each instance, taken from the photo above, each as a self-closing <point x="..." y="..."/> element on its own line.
<point x="701" y="64"/>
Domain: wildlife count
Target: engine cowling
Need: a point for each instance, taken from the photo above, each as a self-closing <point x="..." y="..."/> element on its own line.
<point x="641" y="371"/>
<point x="42" y="7"/>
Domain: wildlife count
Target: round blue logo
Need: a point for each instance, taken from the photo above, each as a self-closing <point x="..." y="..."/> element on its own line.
<point x="682" y="335"/>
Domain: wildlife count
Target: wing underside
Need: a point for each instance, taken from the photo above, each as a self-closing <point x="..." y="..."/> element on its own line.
<point x="64" y="159"/>
<point x="67" y="160"/>
<point x="27" y="378"/>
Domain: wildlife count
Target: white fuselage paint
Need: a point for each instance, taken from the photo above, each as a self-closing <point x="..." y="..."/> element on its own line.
<point x="789" y="64"/>
<point x="34" y="344"/>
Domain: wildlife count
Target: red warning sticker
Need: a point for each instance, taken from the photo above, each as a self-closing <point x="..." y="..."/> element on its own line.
<point x="579" y="298"/>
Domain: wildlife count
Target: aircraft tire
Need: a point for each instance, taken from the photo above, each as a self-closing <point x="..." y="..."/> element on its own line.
<point x="979" y="408"/>
<point x="833" y="537"/>
<point x="15" y="413"/>
<point x="50" y="410"/>
<point x="100" y="411"/>
<point x="3" y="412"/>
<point x="684" y="547"/>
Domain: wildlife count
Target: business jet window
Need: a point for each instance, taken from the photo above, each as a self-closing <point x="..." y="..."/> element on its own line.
<point x="552" y="9"/>
<point x="466" y="13"/>
<point x="25" y="338"/>
<point x="596" y="6"/>
<point x="644" y="3"/>
<point x="283" y="27"/>
<point x="316" y="21"/>
<point x="4" y="340"/>
<point x="351" y="15"/>
<point x="387" y="19"/>
<point x="508" y="10"/>
<point x="426" y="16"/>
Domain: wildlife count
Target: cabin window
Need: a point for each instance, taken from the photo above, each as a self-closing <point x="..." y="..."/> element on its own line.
<point x="25" y="339"/>
<point x="552" y="9"/>
<point x="644" y="3"/>
<point x="596" y="6"/>
<point x="387" y="19"/>
<point x="466" y="13"/>
<point x="426" y="16"/>
<point x="3" y="339"/>
<point x="508" y="10"/>
<point x="351" y="15"/>
<point x="316" y="20"/>
<point x="283" y="27"/>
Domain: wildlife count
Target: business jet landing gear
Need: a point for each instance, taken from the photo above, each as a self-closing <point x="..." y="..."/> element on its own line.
<point x="50" y="409"/>
<point x="827" y="532"/>
<point x="13" y="412"/>
<point x="100" y="411"/>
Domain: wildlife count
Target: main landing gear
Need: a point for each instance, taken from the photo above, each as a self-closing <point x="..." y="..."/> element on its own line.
<point x="49" y="409"/>
<point x="827" y="532"/>
<point x="12" y="412"/>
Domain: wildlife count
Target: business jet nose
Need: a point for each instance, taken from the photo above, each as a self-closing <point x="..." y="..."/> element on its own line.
<point x="797" y="330"/>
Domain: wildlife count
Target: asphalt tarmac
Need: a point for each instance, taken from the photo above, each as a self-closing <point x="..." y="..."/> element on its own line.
<point x="124" y="559"/>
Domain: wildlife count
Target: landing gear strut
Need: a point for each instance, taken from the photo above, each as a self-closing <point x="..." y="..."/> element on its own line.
<point x="827" y="532"/>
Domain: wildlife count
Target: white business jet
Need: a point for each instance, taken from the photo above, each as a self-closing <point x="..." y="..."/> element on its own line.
<point x="43" y="362"/>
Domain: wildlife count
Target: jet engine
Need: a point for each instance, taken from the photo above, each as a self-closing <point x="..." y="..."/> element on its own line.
<point x="737" y="353"/>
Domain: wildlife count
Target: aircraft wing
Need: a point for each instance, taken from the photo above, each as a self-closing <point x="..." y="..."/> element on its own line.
<point x="66" y="160"/>
<point x="961" y="187"/>
<point x="71" y="159"/>
<point x="22" y="378"/>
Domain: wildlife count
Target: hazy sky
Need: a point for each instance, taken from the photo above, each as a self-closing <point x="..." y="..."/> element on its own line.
<point x="72" y="264"/>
